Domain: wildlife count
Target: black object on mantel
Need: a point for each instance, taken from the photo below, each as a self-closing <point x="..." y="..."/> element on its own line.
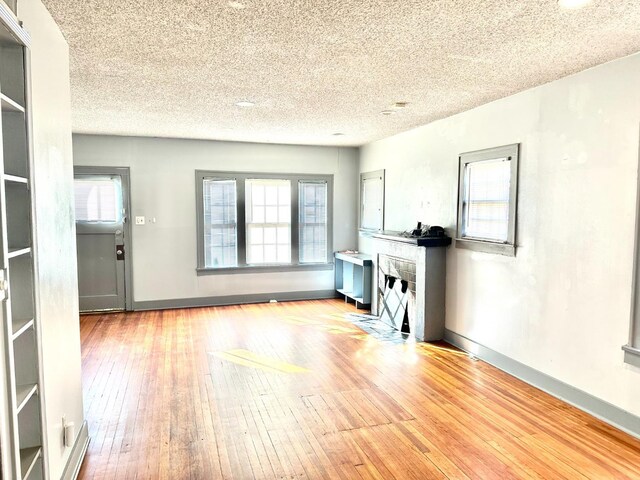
<point x="423" y="241"/>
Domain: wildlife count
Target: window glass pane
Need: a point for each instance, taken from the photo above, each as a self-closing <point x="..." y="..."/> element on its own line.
<point x="312" y="223"/>
<point x="220" y="223"/>
<point x="270" y="254"/>
<point x="268" y="209"/>
<point x="271" y="194"/>
<point x="98" y="199"/>
<point x="486" y="199"/>
<point x="271" y="214"/>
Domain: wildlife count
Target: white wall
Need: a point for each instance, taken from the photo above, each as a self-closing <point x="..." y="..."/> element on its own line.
<point x="55" y="228"/>
<point x="163" y="186"/>
<point x="562" y="305"/>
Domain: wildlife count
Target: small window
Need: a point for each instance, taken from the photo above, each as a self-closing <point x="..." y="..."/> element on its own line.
<point x="97" y="199"/>
<point x="487" y="200"/>
<point x="372" y="201"/>
<point x="312" y="199"/>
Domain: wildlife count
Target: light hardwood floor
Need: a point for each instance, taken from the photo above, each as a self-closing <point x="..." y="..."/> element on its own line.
<point x="293" y="390"/>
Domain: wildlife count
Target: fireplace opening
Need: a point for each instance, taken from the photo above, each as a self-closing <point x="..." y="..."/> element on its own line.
<point x="396" y="297"/>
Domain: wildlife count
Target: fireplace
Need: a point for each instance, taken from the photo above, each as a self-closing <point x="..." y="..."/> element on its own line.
<point x="411" y="284"/>
<point x="397" y="292"/>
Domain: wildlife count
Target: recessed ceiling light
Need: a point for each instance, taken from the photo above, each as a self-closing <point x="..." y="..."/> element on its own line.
<point x="245" y="104"/>
<point x="573" y="4"/>
<point x="236" y="5"/>
<point x="338" y="134"/>
<point x="387" y="112"/>
<point x="400" y="104"/>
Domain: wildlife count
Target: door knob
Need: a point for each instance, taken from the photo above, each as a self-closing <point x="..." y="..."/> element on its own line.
<point x="119" y="252"/>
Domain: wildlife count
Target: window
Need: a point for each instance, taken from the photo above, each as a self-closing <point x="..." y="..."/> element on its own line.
<point x="268" y="221"/>
<point x="313" y="221"/>
<point x="97" y="199"/>
<point x="487" y="194"/>
<point x="263" y="221"/>
<point x="220" y="222"/>
<point x="372" y="201"/>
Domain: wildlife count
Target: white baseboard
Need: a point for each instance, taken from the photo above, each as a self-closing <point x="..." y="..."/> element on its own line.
<point x="78" y="452"/>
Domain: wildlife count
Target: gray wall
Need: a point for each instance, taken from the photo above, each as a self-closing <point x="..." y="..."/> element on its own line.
<point x="562" y="305"/>
<point x="55" y="229"/>
<point x="163" y="186"/>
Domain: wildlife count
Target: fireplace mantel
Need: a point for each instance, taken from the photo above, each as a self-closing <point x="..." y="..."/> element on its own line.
<point x="418" y="241"/>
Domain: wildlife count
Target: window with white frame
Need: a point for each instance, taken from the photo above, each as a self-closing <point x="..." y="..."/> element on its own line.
<point x="487" y="196"/>
<point x="257" y="220"/>
<point x="268" y="219"/>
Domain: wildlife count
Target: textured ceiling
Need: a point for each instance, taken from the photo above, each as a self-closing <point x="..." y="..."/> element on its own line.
<point x="315" y="68"/>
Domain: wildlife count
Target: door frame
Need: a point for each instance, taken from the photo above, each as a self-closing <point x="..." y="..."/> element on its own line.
<point x="123" y="172"/>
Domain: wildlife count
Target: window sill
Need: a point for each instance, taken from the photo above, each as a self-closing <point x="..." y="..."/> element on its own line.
<point x="305" y="267"/>
<point x="486" y="247"/>
<point x="631" y="355"/>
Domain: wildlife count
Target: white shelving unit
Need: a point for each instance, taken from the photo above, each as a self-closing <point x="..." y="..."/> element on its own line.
<point x="353" y="276"/>
<point x="22" y="431"/>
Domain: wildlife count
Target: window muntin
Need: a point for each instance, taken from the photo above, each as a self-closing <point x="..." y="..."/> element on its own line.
<point x="487" y="200"/>
<point x="220" y="222"/>
<point x="312" y="210"/>
<point x="259" y="210"/>
<point x="98" y="199"/>
<point x="268" y="220"/>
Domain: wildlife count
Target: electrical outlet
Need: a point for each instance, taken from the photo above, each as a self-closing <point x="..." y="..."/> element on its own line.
<point x="139" y="220"/>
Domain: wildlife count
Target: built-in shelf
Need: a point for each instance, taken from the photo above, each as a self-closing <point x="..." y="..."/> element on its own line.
<point x="21" y="326"/>
<point x="22" y="432"/>
<point x="28" y="458"/>
<point x="24" y="393"/>
<point x="15" y="179"/>
<point x="353" y="276"/>
<point x="9" y="105"/>
<point x="17" y="251"/>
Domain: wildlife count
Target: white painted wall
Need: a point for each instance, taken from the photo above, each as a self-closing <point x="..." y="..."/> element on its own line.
<point x="562" y="305"/>
<point x="163" y="186"/>
<point x="55" y="228"/>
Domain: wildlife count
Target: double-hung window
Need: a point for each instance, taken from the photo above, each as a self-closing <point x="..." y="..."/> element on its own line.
<point x="258" y="221"/>
<point x="487" y="195"/>
<point x="220" y="222"/>
<point x="268" y="219"/>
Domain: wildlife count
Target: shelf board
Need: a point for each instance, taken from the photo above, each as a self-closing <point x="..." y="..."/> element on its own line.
<point x="17" y="251"/>
<point x="24" y="393"/>
<point x="21" y="326"/>
<point x="28" y="458"/>
<point x="15" y="179"/>
<point x="9" y="105"/>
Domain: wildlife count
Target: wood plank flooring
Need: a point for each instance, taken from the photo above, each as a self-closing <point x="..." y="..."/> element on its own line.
<point x="294" y="390"/>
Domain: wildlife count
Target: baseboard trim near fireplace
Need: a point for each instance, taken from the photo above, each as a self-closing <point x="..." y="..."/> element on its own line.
<point x="601" y="409"/>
